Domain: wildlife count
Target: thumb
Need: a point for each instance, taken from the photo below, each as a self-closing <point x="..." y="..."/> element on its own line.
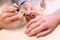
<point x="13" y="8"/>
<point x="10" y="9"/>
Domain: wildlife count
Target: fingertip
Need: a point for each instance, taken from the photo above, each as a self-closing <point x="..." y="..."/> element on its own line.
<point x="37" y="36"/>
<point x="16" y="12"/>
<point x="29" y="35"/>
<point x="25" y="31"/>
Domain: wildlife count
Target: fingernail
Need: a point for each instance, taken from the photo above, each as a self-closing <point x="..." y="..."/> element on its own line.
<point x="16" y="7"/>
<point x="29" y="14"/>
<point x="37" y="36"/>
<point x="29" y="35"/>
<point x="24" y="14"/>
<point x="26" y="32"/>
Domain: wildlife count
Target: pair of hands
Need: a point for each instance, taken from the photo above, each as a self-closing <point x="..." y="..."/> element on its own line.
<point x="41" y="25"/>
<point x="38" y="24"/>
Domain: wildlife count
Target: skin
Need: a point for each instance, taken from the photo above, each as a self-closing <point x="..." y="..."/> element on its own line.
<point x="8" y="16"/>
<point x="31" y="14"/>
<point x="27" y="7"/>
<point x="42" y="24"/>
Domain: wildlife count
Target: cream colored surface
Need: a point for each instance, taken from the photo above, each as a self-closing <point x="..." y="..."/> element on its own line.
<point x="19" y="33"/>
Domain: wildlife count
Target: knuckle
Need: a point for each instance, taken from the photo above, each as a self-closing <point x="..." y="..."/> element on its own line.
<point x="6" y="21"/>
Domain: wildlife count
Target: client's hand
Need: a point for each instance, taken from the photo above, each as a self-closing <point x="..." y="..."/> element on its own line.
<point x="41" y="25"/>
<point x="31" y="14"/>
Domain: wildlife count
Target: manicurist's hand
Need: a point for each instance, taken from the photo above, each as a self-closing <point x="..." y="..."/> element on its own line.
<point x="8" y="16"/>
<point x="26" y="6"/>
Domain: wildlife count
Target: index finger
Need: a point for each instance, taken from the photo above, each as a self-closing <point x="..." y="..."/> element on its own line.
<point x="32" y="21"/>
<point x="9" y="9"/>
<point x="14" y="7"/>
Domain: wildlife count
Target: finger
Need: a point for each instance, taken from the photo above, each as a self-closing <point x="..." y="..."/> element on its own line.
<point x="10" y="9"/>
<point x="34" y="25"/>
<point x="15" y="6"/>
<point x="28" y="12"/>
<point x="31" y="12"/>
<point x="21" y="16"/>
<point x="13" y="18"/>
<point x="33" y="8"/>
<point x="43" y="33"/>
<point x="27" y="15"/>
<point x="27" y="18"/>
<point x="5" y="15"/>
<point x="36" y="30"/>
<point x="32" y="21"/>
<point x="29" y="6"/>
<point x="22" y="9"/>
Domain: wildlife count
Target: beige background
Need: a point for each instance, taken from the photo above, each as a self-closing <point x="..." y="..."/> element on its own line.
<point x="18" y="34"/>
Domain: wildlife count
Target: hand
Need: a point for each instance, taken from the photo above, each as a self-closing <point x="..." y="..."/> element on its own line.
<point x="27" y="9"/>
<point x="26" y="6"/>
<point x="41" y="25"/>
<point x="8" y="16"/>
<point x="30" y="14"/>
